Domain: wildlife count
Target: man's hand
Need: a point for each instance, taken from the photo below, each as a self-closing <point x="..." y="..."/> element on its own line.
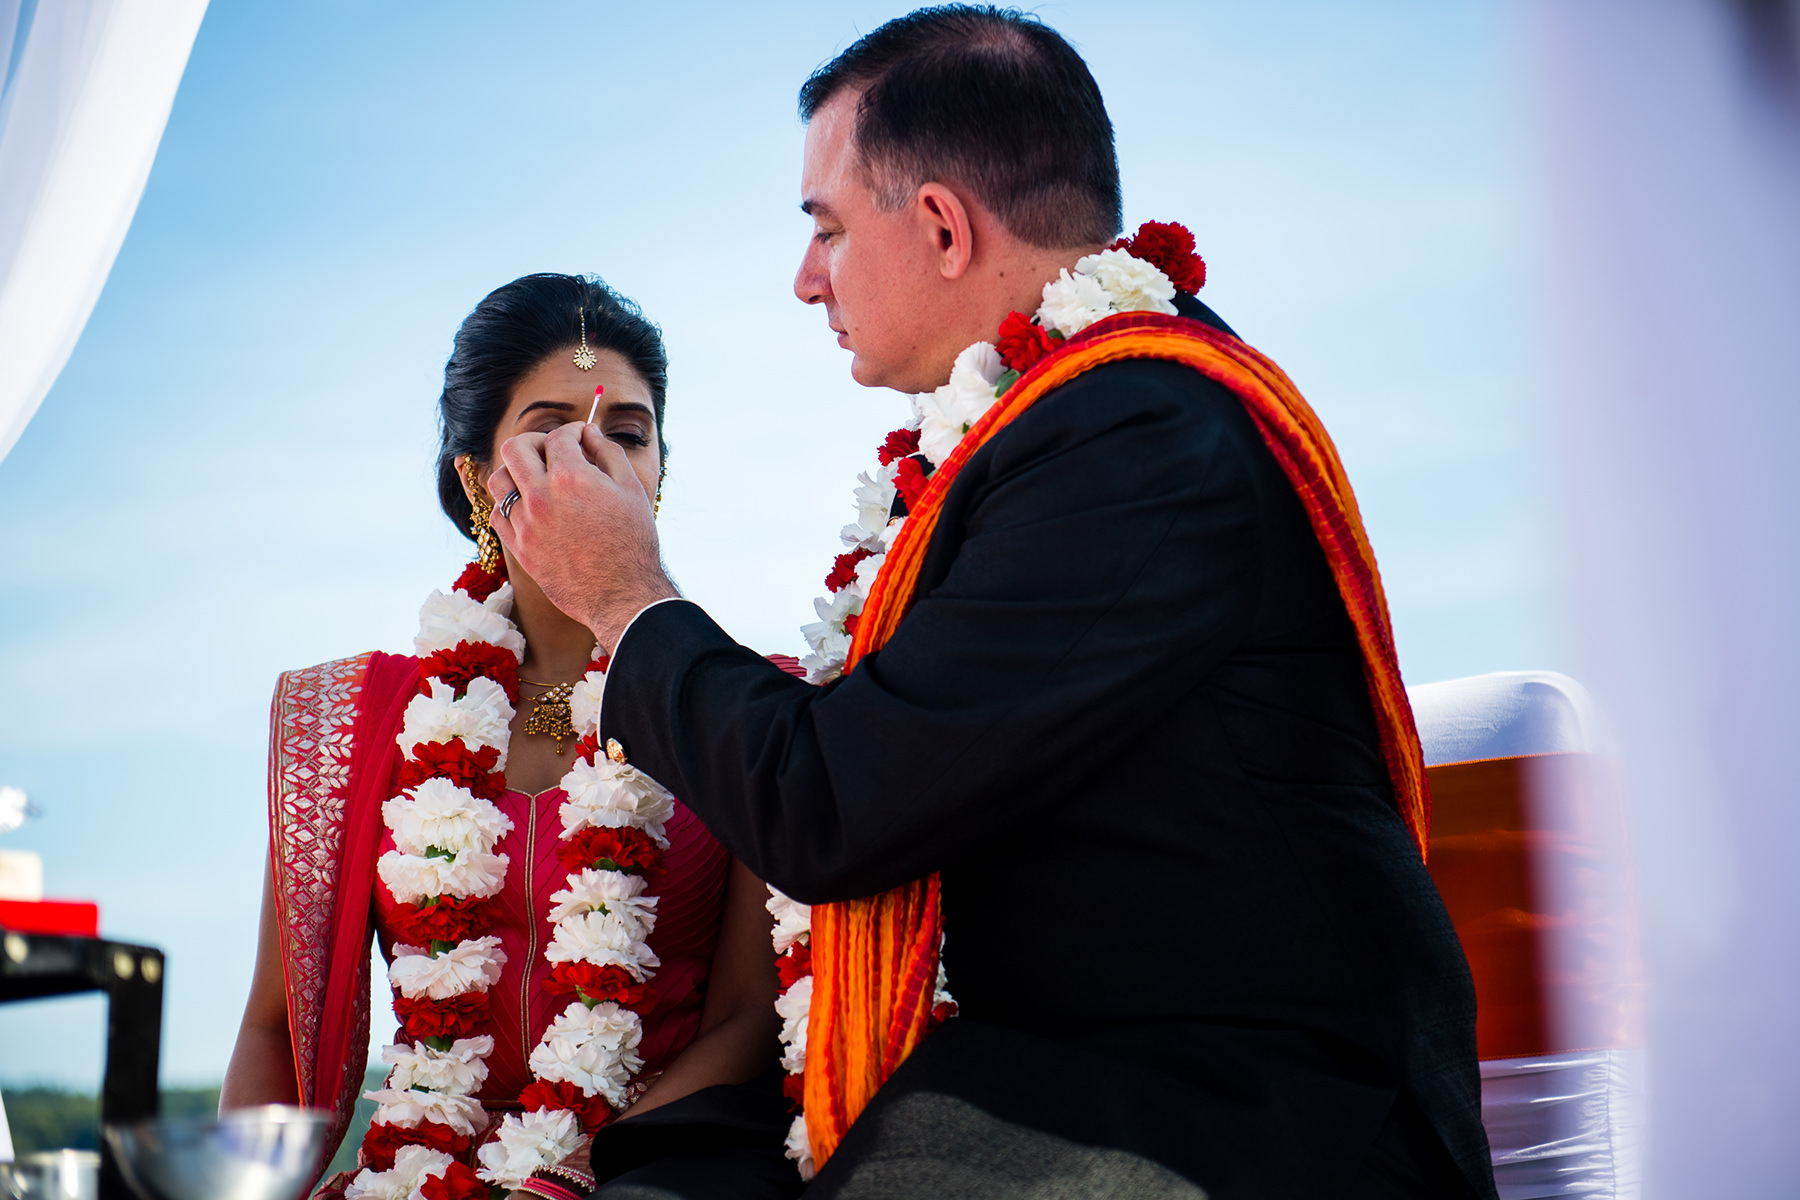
<point x="582" y="526"/>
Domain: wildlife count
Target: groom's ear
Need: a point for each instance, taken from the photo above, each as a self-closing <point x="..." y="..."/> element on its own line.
<point x="946" y="220"/>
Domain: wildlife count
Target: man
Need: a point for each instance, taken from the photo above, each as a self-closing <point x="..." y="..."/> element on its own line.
<point x="1125" y="720"/>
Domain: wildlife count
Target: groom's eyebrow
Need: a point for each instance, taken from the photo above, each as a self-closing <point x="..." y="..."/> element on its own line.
<point x="816" y="208"/>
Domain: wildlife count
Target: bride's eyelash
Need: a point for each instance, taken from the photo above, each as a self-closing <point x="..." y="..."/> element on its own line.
<point x="625" y="435"/>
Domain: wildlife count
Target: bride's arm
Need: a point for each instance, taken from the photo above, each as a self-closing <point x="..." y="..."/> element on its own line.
<point x="262" y="1063"/>
<point x="739" y="1029"/>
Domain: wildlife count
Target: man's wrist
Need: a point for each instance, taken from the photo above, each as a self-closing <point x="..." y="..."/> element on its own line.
<point x="609" y="626"/>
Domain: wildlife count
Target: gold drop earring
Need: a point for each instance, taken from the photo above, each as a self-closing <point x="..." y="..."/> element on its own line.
<point x="481" y="511"/>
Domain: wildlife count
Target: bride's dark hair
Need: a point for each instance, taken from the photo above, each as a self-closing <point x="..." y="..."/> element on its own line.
<point x="511" y="331"/>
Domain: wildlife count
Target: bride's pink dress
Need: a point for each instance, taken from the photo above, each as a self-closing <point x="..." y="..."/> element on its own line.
<point x="690" y="900"/>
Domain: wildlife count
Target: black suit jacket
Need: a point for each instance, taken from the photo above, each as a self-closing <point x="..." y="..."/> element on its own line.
<point x="1126" y="719"/>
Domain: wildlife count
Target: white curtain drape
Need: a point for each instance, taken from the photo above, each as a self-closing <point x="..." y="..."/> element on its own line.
<point x="1672" y="138"/>
<point x="87" y="89"/>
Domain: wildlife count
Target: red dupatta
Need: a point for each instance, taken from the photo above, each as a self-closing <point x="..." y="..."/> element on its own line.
<point x="874" y="959"/>
<point x="331" y="760"/>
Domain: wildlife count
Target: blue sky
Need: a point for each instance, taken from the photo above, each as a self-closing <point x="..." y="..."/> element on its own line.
<point x="232" y="476"/>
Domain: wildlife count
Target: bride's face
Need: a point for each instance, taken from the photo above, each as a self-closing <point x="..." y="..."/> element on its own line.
<point x="556" y="392"/>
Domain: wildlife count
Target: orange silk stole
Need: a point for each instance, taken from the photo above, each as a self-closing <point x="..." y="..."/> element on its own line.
<point x="874" y="959"/>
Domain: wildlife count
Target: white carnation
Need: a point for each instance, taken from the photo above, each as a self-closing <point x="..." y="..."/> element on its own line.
<point x="457" y="1071"/>
<point x="615" y="891"/>
<point x="444" y="815"/>
<point x="603" y="939"/>
<point x="415" y="878"/>
<point x="446" y="620"/>
<point x="821" y="668"/>
<point x="793" y="1006"/>
<point x="412" y="1166"/>
<point x="407" y="1108"/>
<point x="834" y="609"/>
<point x="874" y="501"/>
<point x="615" y="796"/>
<point x="500" y="600"/>
<point x="952" y="410"/>
<point x="593" y="1048"/>
<point x="866" y="571"/>
<point x="891" y="532"/>
<point x="527" y="1141"/>
<point x="584" y="702"/>
<point x="482" y="717"/>
<point x="1133" y="284"/>
<point x="472" y="966"/>
<point x="799" y="1147"/>
<point x="793" y="920"/>
<point x="1073" y="302"/>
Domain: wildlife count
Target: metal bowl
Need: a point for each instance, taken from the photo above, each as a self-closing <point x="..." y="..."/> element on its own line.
<point x="52" y="1175"/>
<point x="270" y="1153"/>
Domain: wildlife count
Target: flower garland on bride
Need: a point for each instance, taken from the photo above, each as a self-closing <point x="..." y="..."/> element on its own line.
<point x="443" y="874"/>
<point x="1141" y="273"/>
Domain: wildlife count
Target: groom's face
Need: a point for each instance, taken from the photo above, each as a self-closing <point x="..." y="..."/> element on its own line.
<point x="874" y="272"/>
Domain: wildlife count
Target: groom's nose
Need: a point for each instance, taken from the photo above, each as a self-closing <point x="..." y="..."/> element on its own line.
<point x="812" y="282"/>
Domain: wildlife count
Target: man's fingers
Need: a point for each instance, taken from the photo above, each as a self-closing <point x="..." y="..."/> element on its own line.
<point x="522" y="457"/>
<point x="521" y="469"/>
<point x="578" y="447"/>
<point x="500" y="484"/>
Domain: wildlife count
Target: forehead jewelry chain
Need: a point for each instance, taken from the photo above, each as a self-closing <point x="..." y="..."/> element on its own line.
<point x="584" y="354"/>
<point x="550" y="713"/>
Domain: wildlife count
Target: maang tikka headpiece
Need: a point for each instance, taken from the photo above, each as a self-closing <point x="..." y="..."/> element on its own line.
<point x="584" y="354"/>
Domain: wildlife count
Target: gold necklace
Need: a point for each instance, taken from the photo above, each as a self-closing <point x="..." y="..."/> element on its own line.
<point x="550" y="713"/>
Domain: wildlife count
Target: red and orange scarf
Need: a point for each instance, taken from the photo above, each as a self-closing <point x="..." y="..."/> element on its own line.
<point x="875" y="959"/>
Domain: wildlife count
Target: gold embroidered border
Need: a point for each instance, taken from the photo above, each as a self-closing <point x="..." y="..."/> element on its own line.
<point x="312" y="733"/>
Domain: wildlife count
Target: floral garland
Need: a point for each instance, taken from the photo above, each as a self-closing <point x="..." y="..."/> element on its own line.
<point x="444" y="875"/>
<point x="1141" y="273"/>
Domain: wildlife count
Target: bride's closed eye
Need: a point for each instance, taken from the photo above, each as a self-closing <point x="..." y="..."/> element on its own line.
<point x="628" y="437"/>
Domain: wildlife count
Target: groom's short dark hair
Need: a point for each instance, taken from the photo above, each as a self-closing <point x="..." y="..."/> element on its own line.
<point x="990" y="98"/>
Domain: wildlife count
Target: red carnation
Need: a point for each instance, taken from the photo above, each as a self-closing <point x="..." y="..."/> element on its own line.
<point x="899" y="444"/>
<point x="383" y="1141"/>
<point x="942" y="1012"/>
<point x="911" y="481"/>
<point x="480" y="584"/>
<point x="794" y="966"/>
<point x="588" y="748"/>
<point x="851" y="622"/>
<point x="794" y="1088"/>
<point x="452" y="1017"/>
<point x="458" y="1182"/>
<point x="591" y="1111"/>
<point x="601" y="663"/>
<point x="460" y="664"/>
<point x="843" y="571"/>
<point x="453" y="760"/>
<point x="629" y="850"/>
<point x="610" y="982"/>
<point x="449" y="920"/>
<point x="1170" y="249"/>
<point x="1022" y="343"/>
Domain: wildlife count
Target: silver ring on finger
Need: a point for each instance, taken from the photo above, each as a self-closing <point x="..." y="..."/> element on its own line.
<point x="506" y="504"/>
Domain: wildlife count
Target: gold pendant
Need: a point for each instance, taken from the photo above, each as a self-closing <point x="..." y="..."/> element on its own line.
<point x="550" y="715"/>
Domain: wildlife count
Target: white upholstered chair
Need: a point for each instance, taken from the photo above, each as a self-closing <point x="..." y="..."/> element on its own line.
<point x="1528" y="850"/>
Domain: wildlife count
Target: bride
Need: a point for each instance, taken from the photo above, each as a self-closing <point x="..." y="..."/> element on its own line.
<point x="567" y="944"/>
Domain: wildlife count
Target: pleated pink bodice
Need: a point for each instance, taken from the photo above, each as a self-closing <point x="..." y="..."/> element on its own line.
<point x="690" y="902"/>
